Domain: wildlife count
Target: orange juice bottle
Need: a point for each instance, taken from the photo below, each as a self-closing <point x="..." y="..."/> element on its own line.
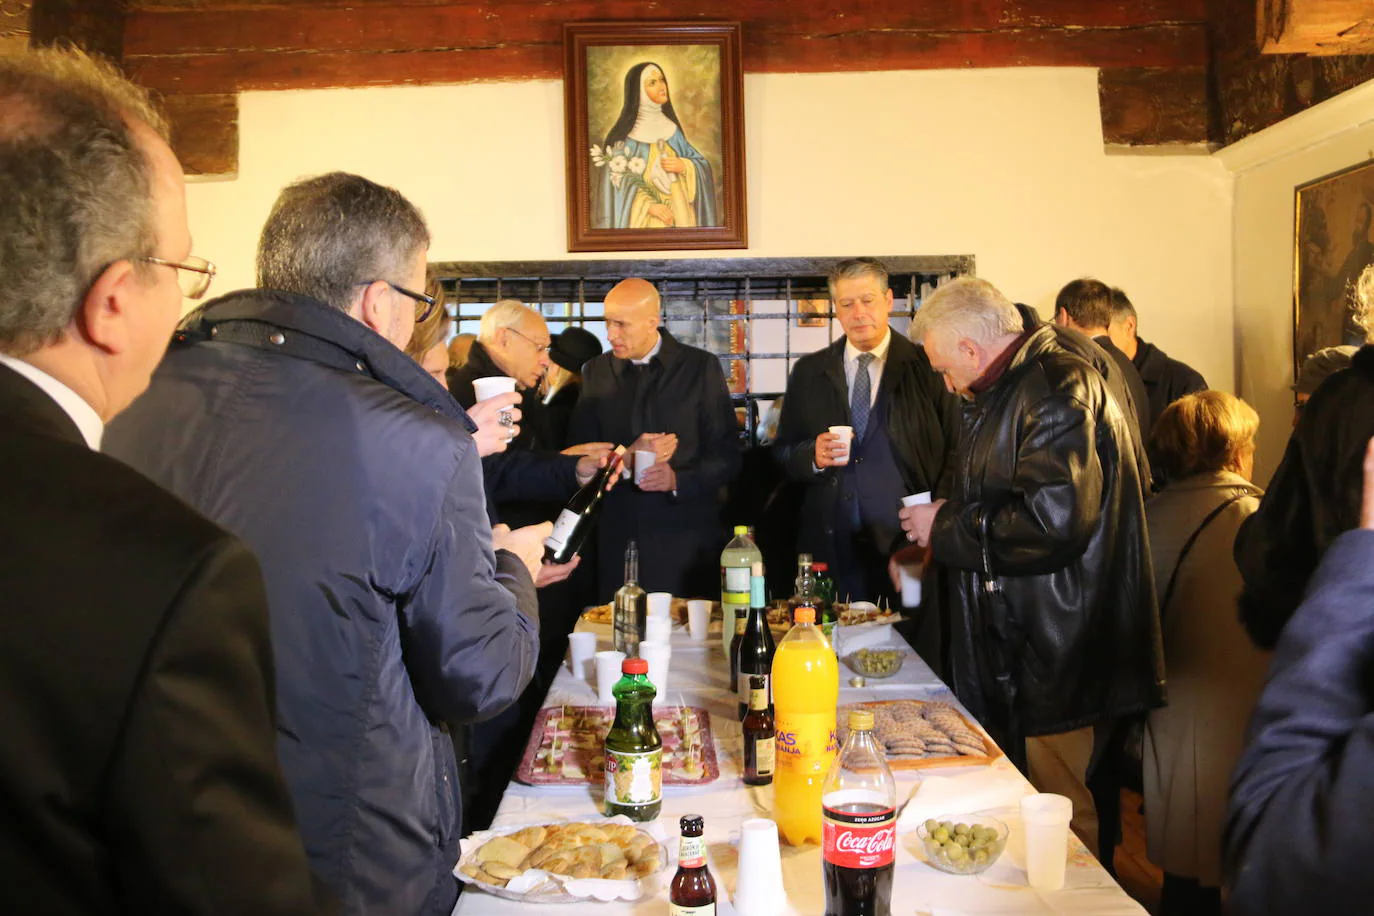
<point x="806" y="690"/>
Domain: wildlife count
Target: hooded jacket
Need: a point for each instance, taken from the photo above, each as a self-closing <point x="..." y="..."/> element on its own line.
<point x="353" y="476"/>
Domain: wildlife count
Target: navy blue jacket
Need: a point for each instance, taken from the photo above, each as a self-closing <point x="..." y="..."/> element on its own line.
<point x="353" y="476"/>
<point x="1297" y="834"/>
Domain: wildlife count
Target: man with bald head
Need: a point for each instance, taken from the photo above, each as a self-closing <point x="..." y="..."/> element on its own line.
<point x="654" y="393"/>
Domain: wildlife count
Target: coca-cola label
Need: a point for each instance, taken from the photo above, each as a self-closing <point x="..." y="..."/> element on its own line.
<point x="859" y="839"/>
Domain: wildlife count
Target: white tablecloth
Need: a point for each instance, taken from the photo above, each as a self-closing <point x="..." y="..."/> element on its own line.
<point x="698" y="676"/>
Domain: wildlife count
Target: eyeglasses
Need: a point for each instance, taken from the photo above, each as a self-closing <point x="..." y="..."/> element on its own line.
<point x="428" y="302"/>
<point x="538" y="348"/>
<point x="193" y="274"/>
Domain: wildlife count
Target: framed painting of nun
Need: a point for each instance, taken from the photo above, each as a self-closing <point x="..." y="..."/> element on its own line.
<point x="655" y="136"/>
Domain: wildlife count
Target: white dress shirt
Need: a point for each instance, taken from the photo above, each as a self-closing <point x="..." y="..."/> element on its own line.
<point x="87" y="421"/>
<point x="875" y="368"/>
<point x="658" y="345"/>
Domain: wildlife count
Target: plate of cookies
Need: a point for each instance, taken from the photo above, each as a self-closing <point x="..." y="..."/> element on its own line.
<point x="611" y="859"/>
<point x="917" y="734"/>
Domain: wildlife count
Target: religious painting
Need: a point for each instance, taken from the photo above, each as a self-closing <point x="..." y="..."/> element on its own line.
<point x="813" y="313"/>
<point x="655" y="136"/>
<point x="1332" y="246"/>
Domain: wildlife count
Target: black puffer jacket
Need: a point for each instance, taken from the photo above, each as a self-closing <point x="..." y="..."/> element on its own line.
<point x="1046" y="455"/>
<point x="1313" y="496"/>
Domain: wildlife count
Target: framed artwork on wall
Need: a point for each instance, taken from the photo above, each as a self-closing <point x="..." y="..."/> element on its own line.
<point x="1332" y="245"/>
<point x="655" y="136"/>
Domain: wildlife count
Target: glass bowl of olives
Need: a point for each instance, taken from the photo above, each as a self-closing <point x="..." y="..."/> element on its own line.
<point x="876" y="662"/>
<point x="965" y="844"/>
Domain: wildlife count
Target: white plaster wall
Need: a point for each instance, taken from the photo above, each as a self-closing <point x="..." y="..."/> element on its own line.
<point x="1268" y="166"/>
<point x="1007" y="165"/>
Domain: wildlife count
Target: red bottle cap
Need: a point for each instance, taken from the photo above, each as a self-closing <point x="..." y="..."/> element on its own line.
<point x="634" y="666"/>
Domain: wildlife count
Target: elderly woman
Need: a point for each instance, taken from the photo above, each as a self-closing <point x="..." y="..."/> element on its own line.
<point x="1206" y="444"/>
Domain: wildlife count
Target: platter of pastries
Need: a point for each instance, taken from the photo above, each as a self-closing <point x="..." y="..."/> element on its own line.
<point x="553" y="863"/>
<point x="917" y="734"/>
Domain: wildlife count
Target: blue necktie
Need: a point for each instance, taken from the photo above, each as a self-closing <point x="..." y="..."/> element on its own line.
<point x="860" y="397"/>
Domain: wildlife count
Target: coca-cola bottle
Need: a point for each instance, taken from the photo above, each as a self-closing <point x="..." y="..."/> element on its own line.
<point x="859" y="831"/>
<point x="693" y="891"/>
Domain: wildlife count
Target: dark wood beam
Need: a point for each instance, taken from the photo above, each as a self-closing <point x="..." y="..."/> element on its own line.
<point x="14" y="25"/>
<point x="1321" y="27"/>
<point x="208" y="48"/>
<point x="1150" y="107"/>
<point x="205" y="132"/>
<point x="96" y="25"/>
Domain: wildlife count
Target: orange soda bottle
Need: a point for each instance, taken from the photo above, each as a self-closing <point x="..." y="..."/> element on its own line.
<point x="806" y="690"/>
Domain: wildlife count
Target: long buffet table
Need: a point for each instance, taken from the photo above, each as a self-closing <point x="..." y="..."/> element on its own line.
<point x="698" y="676"/>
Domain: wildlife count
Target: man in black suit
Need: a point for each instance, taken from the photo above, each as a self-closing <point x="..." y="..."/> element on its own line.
<point x="138" y="768"/>
<point x="1085" y="305"/>
<point x="905" y="426"/>
<point x="653" y="393"/>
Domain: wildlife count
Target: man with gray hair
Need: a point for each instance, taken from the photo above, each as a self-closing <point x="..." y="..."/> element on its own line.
<point x="138" y="766"/>
<point x="291" y="414"/>
<point x="1050" y="616"/>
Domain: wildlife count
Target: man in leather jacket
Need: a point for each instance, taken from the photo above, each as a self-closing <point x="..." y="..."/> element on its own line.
<point x="1044" y="509"/>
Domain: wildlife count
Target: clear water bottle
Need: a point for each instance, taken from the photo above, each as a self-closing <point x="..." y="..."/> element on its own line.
<point x="736" y="562"/>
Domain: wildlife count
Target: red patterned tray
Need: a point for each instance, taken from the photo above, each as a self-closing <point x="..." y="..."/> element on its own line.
<point x="565" y="746"/>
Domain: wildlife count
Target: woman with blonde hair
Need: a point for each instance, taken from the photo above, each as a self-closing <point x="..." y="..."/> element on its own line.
<point x="1205" y="443"/>
<point x="427" y="345"/>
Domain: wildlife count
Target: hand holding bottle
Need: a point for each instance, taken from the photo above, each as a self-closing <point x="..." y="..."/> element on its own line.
<point x="551" y="573"/>
<point x="526" y="543"/>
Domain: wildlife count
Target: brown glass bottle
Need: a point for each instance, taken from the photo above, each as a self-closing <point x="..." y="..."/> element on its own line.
<point x="693" y="891"/>
<point x="759" y="734"/>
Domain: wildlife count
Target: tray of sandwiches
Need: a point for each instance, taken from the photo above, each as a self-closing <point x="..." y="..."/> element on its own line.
<point x="565" y="747"/>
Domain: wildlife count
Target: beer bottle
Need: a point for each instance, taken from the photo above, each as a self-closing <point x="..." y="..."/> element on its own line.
<point x="759" y="734"/>
<point x="693" y="891"/>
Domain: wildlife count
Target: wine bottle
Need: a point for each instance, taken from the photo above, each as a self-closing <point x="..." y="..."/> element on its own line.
<point x="578" y="517"/>
<point x="756" y="647"/>
<point x="630" y="607"/>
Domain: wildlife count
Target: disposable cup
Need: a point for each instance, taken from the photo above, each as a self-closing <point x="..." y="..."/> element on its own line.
<point x="490" y="387"/>
<point x="658" y="655"/>
<point x="660" y="604"/>
<point x="916" y="499"/>
<point x="581" y="655"/>
<point x="643" y="461"/>
<point x="759" y="889"/>
<point x="698" y="618"/>
<point x="658" y="628"/>
<point x="607" y="673"/>
<point x="1045" y="818"/>
<point x="846" y="434"/>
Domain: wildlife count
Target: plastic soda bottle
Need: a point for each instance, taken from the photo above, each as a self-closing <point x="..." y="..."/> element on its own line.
<point x="806" y="690"/>
<point x="736" y="562"/>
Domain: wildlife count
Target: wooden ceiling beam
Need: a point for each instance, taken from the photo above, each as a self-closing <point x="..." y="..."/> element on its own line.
<point x="1319" y="27"/>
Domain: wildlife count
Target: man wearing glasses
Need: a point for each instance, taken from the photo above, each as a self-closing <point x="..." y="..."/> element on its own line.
<point x="138" y="766"/>
<point x="291" y="415"/>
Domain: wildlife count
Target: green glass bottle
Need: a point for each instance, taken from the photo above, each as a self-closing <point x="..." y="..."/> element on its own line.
<point x="633" y="750"/>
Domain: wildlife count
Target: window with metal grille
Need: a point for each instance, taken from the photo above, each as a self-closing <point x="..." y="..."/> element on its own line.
<point x="759" y="315"/>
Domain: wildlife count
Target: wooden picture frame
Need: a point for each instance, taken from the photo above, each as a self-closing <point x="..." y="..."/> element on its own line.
<point x="1332" y="244"/>
<point x="658" y="165"/>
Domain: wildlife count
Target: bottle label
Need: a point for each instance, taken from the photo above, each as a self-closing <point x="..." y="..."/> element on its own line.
<point x="740" y="623"/>
<point x="859" y="838"/>
<point x="677" y="909"/>
<point x="562" y="529"/>
<point x="691" y="852"/>
<point x="806" y="743"/>
<point x="737" y="580"/>
<point x="634" y="777"/>
<point x="765" y="757"/>
<point x="758" y="698"/>
<point x="746" y="695"/>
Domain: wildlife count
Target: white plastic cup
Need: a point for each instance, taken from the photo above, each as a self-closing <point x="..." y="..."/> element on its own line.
<point x="759" y="889"/>
<point x="658" y="654"/>
<point x="660" y="604"/>
<point x="658" y="628"/>
<point x="607" y="673"/>
<point x="487" y="388"/>
<point x="581" y="652"/>
<point x="916" y="499"/>
<point x="698" y="618"/>
<point x="846" y="434"/>
<point x="644" y="460"/>
<point x="1045" y="818"/>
